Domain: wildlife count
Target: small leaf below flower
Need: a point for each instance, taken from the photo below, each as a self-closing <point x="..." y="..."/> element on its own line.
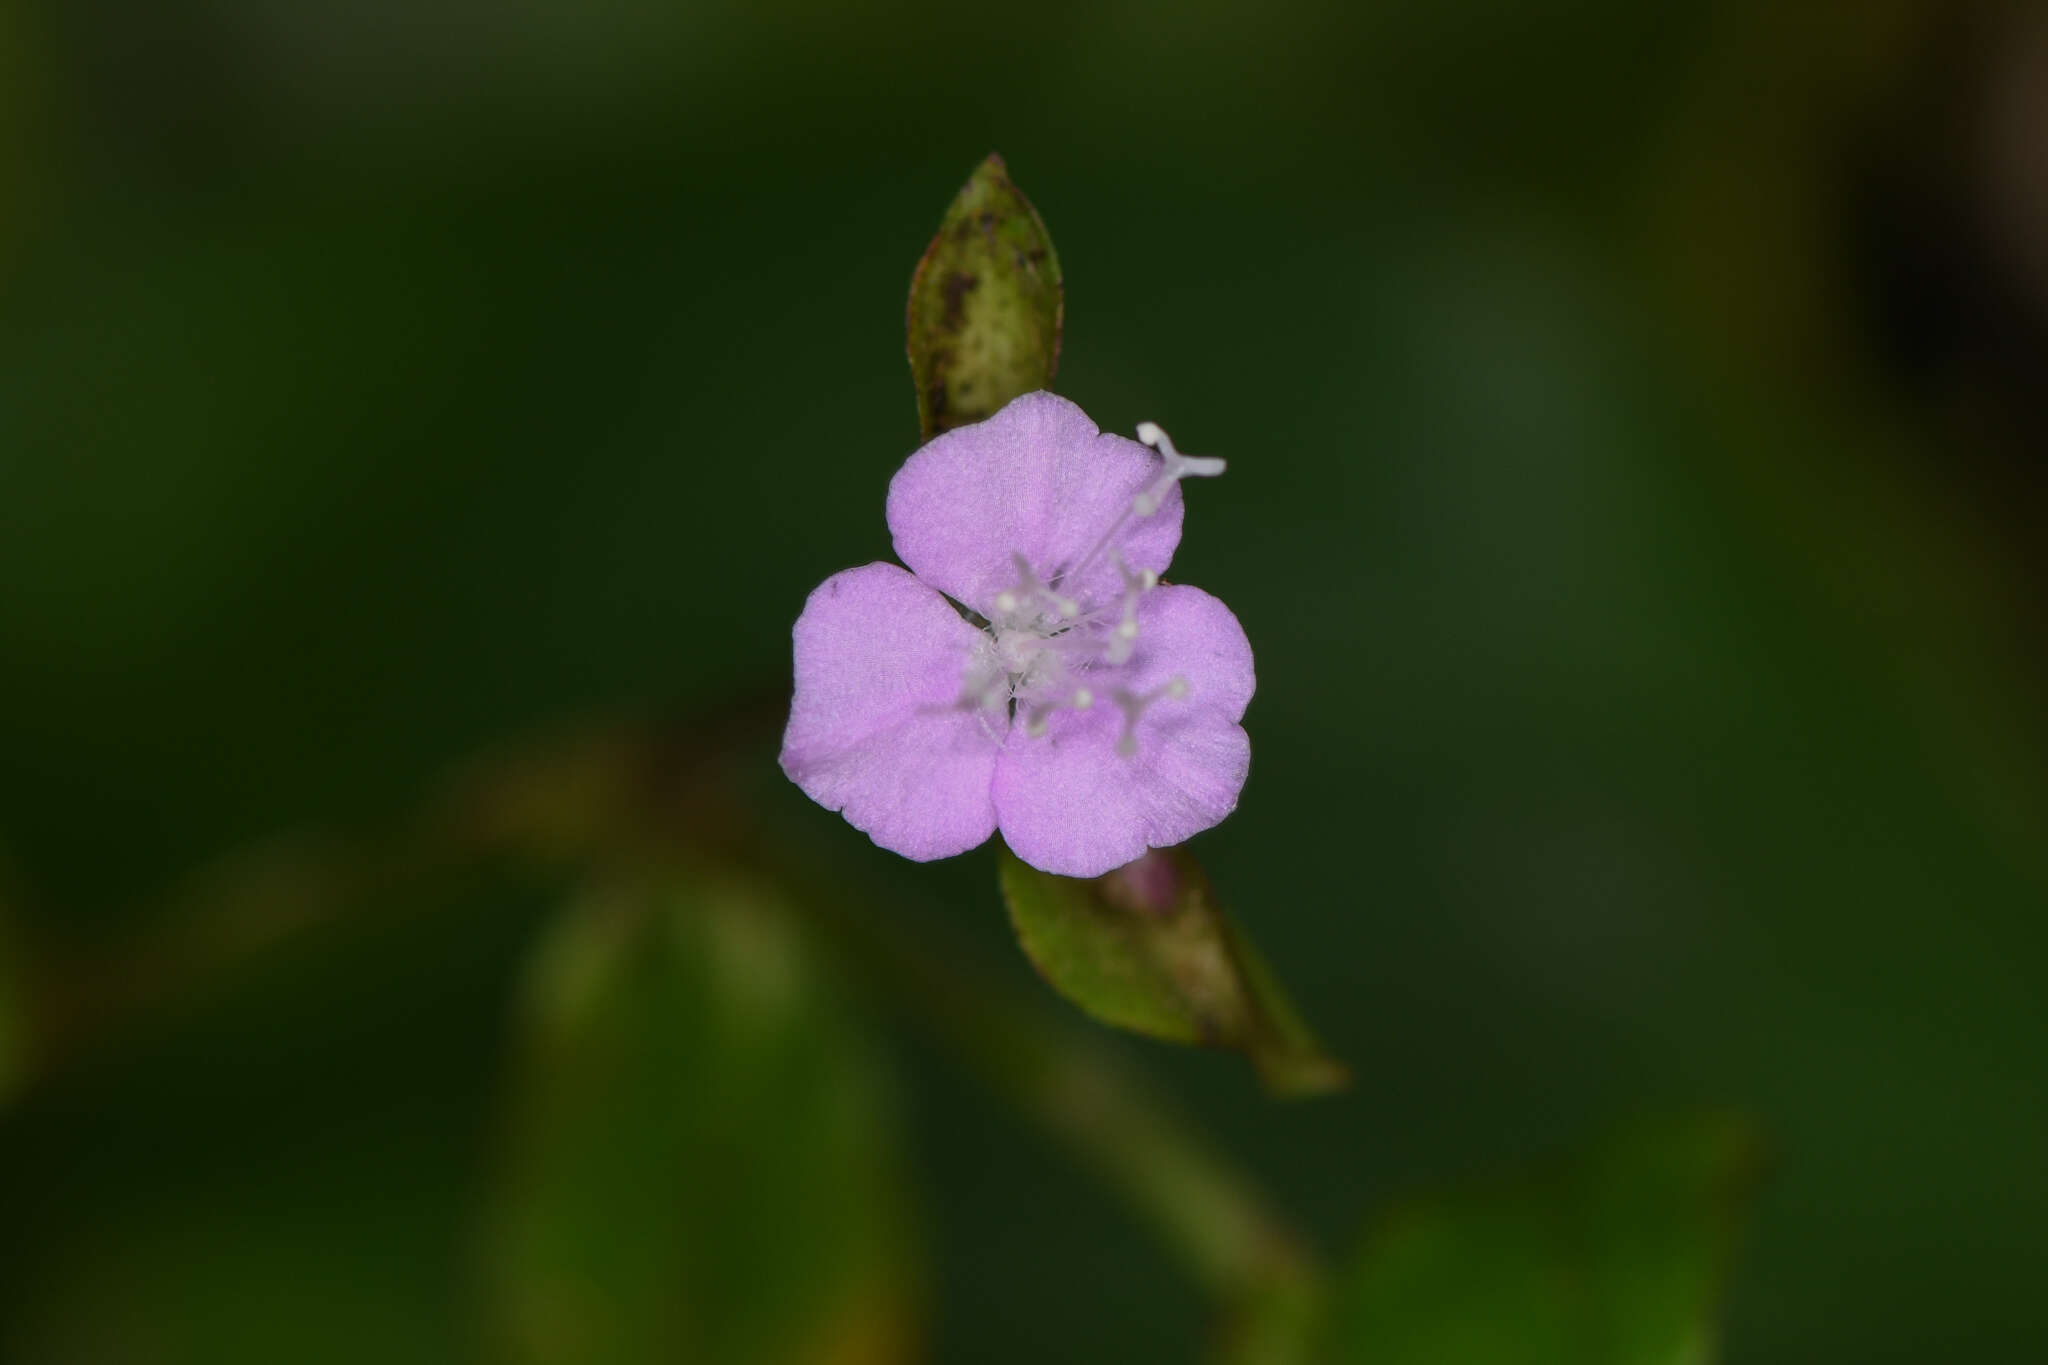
<point x="985" y="304"/>
<point x="1147" y="948"/>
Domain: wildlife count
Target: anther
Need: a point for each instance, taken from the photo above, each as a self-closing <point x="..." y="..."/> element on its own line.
<point x="1124" y="638"/>
<point x="1010" y="601"/>
<point x="1134" y="704"/>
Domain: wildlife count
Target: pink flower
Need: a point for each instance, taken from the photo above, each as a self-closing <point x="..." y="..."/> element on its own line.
<point x="1089" y="713"/>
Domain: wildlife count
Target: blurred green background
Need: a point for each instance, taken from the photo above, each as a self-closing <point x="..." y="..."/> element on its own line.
<point x="1636" y="417"/>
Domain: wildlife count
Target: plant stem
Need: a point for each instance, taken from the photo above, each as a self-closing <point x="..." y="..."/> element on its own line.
<point x="1207" y="1213"/>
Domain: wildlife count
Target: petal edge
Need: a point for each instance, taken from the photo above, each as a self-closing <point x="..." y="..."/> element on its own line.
<point x="1037" y="479"/>
<point x="875" y="730"/>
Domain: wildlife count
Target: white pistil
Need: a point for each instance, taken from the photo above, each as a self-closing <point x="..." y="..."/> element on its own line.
<point x="1146" y="501"/>
<point x="1178" y="467"/>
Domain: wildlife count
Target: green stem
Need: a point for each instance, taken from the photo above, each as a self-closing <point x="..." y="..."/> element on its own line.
<point x="1207" y="1213"/>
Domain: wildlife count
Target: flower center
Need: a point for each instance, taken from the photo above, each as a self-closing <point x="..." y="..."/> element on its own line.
<point x="1043" y="645"/>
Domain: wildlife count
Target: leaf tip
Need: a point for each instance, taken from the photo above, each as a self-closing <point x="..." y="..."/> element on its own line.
<point x="986" y="306"/>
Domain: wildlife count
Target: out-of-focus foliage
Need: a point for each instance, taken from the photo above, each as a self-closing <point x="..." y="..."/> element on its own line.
<point x="14" y="1021"/>
<point x="284" y="1162"/>
<point x="1617" y="1259"/>
<point x="985" y="305"/>
<point x="1148" y="949"/>
<point x="699" y="1165"/>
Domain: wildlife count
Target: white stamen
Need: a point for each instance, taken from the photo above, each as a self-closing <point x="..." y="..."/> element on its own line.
<point x="1124" y="639"/>
<point x="1176" y="467"/>
<point x="1134" y="705"/>
<point x="1013" y="603"/>
<point x="1041" y="643"/>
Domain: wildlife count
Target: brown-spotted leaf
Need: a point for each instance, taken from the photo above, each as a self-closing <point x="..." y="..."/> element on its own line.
<point x="985" y="305"/>
<point x="1147" y="948"/>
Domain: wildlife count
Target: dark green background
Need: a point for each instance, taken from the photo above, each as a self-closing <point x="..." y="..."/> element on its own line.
<point x="1635" y="419"/>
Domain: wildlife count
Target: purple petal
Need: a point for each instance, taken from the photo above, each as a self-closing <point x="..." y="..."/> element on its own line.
<point x="1036" y="479"/>
<point x="1069" y="803"/>
<point x="876" y="729"/>
<point x="1185" y="633"/>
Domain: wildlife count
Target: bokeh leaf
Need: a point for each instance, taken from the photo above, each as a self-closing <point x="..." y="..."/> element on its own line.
<point x="699" y="1166"/>
<point x="1616" y="1259"/>
<point x="1147" y="948"/>
<point x="985" y="305"/>
<point x="275" y="1163"/>
<point x="14" y="1011"/>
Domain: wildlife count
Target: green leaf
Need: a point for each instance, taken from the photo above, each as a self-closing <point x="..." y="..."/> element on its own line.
<point x="985" y="305"/>
<point x="1616" y="1259"/>
<point x="1147" y="948"/>
<point x="699" y="1166"/>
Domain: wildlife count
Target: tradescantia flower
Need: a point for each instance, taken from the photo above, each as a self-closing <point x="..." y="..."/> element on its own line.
<point x="1078" y="704"/>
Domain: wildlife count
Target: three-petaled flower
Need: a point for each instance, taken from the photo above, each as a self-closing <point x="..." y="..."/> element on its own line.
<point x="1078" y="704"/>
